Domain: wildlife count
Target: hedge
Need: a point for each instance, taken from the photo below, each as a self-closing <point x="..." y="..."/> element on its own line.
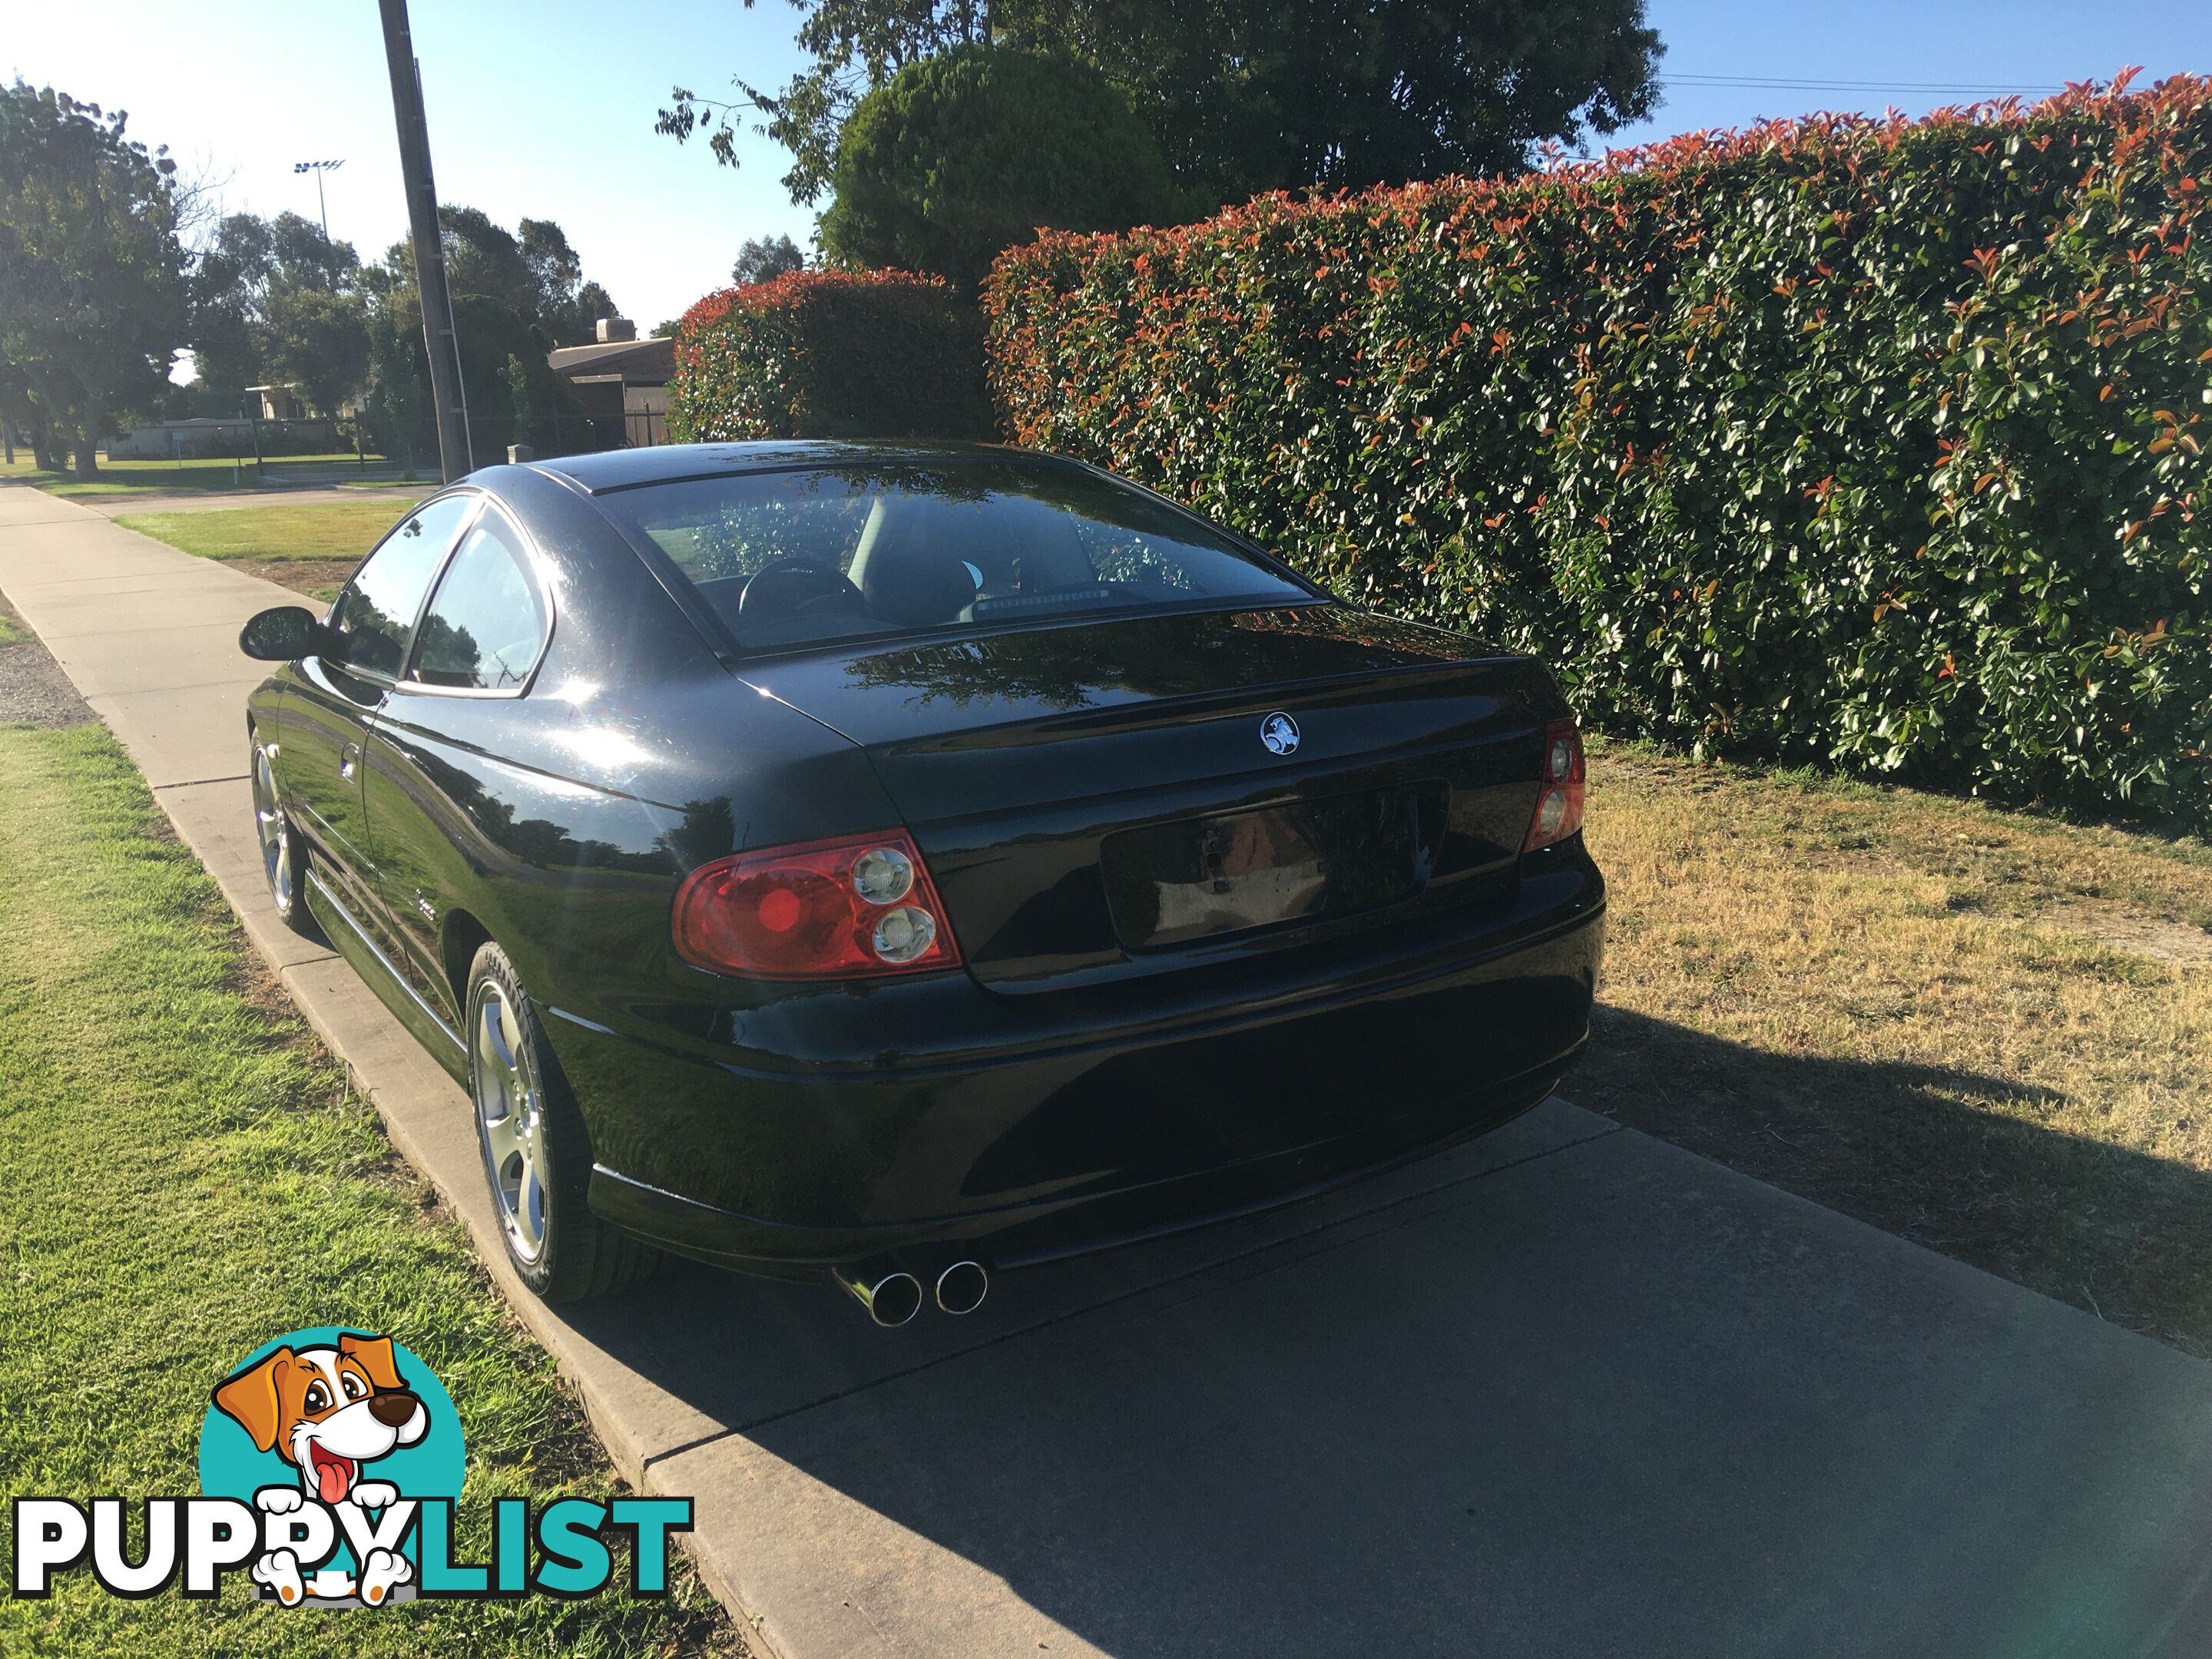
<point x="816" y="353"/>
<point x="1876" y="444"/>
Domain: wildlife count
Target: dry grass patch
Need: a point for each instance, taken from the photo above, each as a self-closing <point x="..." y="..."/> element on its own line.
<point x="313" y="579"/>
<point x="1986" y="1031"/>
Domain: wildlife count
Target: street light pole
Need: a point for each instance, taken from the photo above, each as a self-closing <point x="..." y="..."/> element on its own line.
<point x="439" y="338"/>
<point x="319" y="168"/>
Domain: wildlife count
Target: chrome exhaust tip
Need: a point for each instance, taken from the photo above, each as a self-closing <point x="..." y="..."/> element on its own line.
<point x="891" y="1296"/>
<point x="962" y="1286"/>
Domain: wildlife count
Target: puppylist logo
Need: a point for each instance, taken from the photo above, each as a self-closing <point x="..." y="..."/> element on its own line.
<point x="329" y="1465"/>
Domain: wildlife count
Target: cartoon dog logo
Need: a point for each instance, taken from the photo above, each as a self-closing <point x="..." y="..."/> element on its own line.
<point x="329" y="1411"/>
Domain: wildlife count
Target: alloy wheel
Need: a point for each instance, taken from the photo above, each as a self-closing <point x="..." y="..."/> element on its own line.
<point x="273" y="831"/>
<point x="510" y="1123"/>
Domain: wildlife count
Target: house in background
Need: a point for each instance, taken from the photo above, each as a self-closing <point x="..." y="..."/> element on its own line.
<point x="278" y="402"/>
<point x="619" y="375"/>
<point x="272" y="420"/>
<point x="199" y="440"/>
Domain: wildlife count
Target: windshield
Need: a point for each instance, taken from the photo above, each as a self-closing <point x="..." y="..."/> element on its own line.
<point x="836" y="552"/>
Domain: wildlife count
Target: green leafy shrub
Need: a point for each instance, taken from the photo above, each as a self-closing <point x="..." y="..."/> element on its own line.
<point x="816" y="353"/>
<point x="1873" y="443"/>
<point x="969" y="151"/>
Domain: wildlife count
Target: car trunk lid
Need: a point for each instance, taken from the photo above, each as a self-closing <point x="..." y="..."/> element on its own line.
<point x="1102" y="799"/>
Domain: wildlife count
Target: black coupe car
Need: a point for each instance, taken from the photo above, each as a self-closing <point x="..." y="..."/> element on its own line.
<point x="908" y="861"/>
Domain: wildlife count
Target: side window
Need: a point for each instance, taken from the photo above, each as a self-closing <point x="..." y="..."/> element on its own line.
<point x="379" y="605"/>
<point x="487" y="623"/>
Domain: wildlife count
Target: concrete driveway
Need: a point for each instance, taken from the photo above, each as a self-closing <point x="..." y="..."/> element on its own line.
<point x="1567" y="1391"/>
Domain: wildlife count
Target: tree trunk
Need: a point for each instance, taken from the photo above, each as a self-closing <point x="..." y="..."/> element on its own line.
<point x="49" y="438"/>
<point x="40" y="431"/>
<point x="88" y="438"/>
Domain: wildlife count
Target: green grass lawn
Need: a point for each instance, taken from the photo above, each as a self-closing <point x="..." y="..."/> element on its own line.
<point x="310" y="548"/>
<point x="315" y="530"/>
<point x="186" y="1176"/>
<point x="168" y="478"/>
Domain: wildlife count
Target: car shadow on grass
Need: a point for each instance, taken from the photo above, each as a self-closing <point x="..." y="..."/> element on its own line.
<point x="1962" y="1162"/>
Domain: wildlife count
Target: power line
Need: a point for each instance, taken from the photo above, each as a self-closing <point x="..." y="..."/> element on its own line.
<point x="1785" y="84"/>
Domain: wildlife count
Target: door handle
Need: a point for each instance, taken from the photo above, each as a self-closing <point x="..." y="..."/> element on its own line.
<point x="348" y="758"/>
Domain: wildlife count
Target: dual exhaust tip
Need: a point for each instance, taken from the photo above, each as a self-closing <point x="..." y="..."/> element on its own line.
<point x="893" y="1296"/>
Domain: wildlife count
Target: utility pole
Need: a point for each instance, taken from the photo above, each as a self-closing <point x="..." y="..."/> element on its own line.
<point x="439" y="339"/>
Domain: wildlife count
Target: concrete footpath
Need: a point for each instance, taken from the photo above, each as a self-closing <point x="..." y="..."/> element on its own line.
<point x="1568" y="1391"/>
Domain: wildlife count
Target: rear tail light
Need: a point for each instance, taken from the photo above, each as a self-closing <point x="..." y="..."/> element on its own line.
<point x="1559" y="803"/>
<point x="849" y="908"/>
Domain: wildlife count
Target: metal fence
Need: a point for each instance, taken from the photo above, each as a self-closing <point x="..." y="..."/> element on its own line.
<point x="238" y="440"/>
<point x="490" y="435"/>
<point x="333" y="451"/>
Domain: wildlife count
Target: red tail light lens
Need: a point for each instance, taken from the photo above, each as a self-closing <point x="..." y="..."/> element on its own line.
<point x="849" y="908"/>
<point x="1559" y="811"/>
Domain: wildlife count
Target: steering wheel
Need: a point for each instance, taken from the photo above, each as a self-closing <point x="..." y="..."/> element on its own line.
<point x="796" y="586"/>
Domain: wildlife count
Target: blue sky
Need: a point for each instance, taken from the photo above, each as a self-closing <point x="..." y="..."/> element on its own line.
<point x="546" y="109"/>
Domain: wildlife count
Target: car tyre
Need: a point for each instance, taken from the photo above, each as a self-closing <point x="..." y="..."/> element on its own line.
<point x="536" y="1154"/>
<point x="283" y="854"/>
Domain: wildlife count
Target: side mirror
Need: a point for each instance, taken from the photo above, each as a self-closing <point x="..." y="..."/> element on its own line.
<point x="283" y="635"/>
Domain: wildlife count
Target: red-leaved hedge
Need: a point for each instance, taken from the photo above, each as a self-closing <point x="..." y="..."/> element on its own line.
<point x="819" y="354"/>
<point x="1876" y="443"/>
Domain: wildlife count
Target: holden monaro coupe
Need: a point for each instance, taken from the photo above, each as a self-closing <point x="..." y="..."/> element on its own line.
<point x="906" y="862"/>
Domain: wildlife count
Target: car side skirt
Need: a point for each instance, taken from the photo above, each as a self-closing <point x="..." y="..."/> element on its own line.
<point x="427" y="1026"/>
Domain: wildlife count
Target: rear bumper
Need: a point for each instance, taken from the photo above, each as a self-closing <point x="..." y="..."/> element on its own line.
<point x="1027" y="1151"/>
<point x="1042" y="1231"/>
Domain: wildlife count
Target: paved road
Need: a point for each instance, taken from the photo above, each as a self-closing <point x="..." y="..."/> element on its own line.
<point x="1569" y="1391"/>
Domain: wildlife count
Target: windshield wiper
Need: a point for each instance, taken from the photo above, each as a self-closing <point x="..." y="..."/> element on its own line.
<point x="1015" y="604"/>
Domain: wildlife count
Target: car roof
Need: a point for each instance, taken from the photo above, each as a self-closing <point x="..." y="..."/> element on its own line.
<point x="625" y="469"/>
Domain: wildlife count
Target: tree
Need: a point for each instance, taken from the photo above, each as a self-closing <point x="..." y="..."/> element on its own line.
<point x="1348" y="94"/>
<point x="535" y="275"/>
<point x="91" y="272"/>
<point x="398" y="402"/>
<point x="592" y="302"/>
<point x="515" y="296"/>
<point x="225" y="291"/>
<point x="301" y="251"/>
<point x="1245" y="96"/>
<point x="517" y="377"/>
<point x="317" y="342"/>
<point x="963" y="153"/>
<point x="857" y="46"/>
<point x="234" y="279"/>
<point x="764" y="258"/>
<point x="483" y="258"/>
<point x="20" y="411"/>
<point x="569" y="307"/>
<point x="539" y="408"/>
<point x="552" y="262"/>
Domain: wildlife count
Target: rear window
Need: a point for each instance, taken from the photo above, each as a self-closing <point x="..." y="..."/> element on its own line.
<point x="836" y="552"/>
